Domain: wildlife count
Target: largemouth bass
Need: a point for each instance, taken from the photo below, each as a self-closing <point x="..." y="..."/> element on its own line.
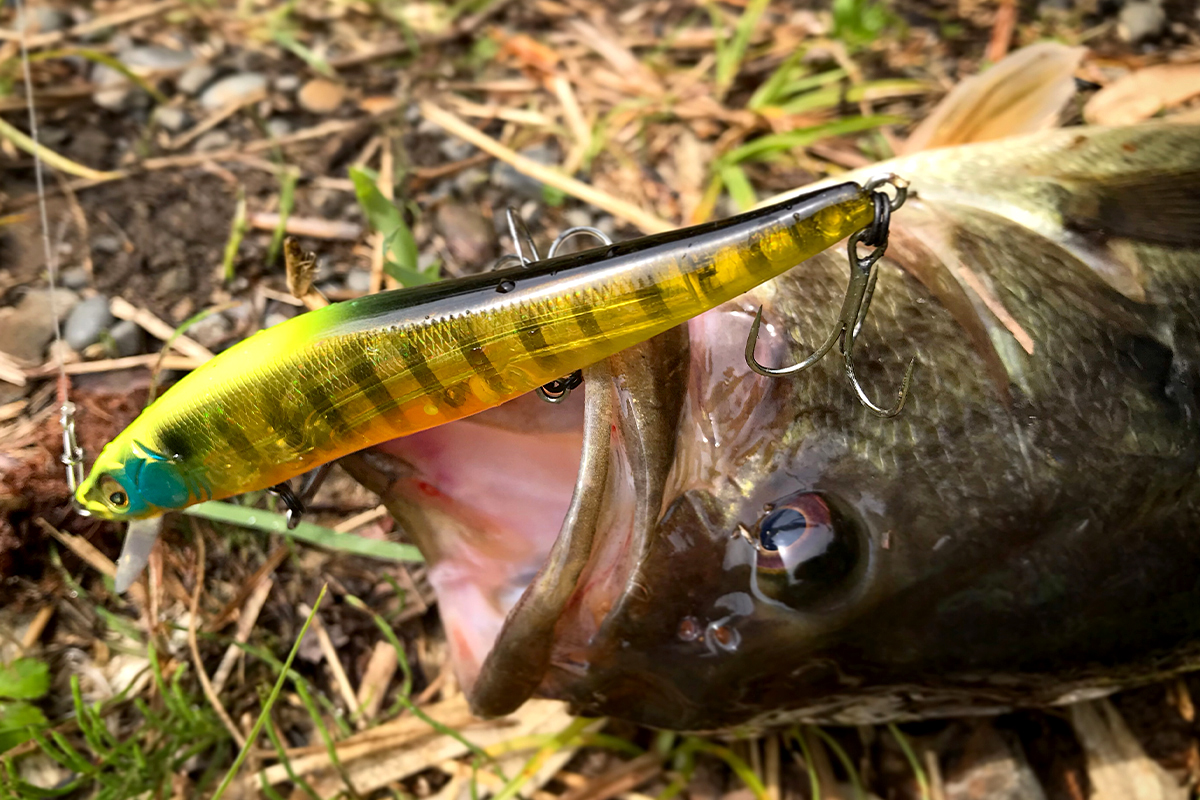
<point x="739" y="550"/>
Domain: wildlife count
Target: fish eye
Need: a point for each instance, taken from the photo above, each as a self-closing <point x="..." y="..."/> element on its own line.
<point x="807" y="550"/>
<point x="114" y="493"/>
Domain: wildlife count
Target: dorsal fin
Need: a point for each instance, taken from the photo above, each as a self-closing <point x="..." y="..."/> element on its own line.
<point x="1023" y="93"/>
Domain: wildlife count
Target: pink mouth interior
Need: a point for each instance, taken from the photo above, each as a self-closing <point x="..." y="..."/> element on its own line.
<point x="496" y="497"/>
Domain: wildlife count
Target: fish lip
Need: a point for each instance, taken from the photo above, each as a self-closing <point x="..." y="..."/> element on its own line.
<point x="633" y="407"/>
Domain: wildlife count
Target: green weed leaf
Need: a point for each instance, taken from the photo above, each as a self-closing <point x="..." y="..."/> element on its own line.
<point x="24" y="679"/>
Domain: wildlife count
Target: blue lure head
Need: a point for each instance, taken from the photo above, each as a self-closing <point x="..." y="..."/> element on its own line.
<point x="132" y="481"/>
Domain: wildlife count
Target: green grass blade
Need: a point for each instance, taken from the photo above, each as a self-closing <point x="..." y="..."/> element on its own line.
<point x="274" y="696"/>
<point x="913" y="761"/>
<point x="847" y="764"/>
<point x="305" y="532"/>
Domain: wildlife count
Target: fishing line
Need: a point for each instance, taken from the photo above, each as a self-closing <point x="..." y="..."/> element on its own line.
<point x="72" y="456"/>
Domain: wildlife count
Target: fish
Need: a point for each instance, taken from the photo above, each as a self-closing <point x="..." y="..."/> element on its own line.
<point x="737" y="552"/>
<point x="342" y="378"/>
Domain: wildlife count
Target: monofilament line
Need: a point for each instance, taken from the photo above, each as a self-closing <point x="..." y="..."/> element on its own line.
<point x="71" y="453"/>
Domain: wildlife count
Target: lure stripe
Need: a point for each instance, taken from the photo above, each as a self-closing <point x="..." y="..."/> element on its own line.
<point x="341" y="378"/>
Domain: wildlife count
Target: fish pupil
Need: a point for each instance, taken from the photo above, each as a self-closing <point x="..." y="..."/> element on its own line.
<point x="782" y="528"/>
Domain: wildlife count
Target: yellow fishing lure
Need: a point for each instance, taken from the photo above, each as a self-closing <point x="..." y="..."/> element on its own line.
<point x="354" y="374"/>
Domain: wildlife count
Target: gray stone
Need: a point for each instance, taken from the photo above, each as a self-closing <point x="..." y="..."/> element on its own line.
<point x="106" y="243"/>
<point x="278" y="126"/>
<point x="173" y="119"/>
<point x="42" y="19"/>
<point x="359" y="280"/>
<point x="73" y="278"/>
<point x="213" y="140"/>
<point x="212" y="331"/>
<point x="195" y="78"/>
<point x="27" y="329"/>
<point x="455" y="149"/>
<point x="508" y="178"/>
<point x="287" y="83"/>
<point x="87" y="321"/>
<point x="469" y="179"/>
<point x="1141" y="20"/>
<point x="175" y="281"/>
<point x="470" y="237"/>
<point x="577" y="217"/>
<point x="128" y="338"/>
<point x="233" y="89"/>
<point x="115" y="92"/>
<point x="274" y="318"/>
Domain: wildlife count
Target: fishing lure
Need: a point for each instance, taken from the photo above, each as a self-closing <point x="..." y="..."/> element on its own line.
<point x="354" y="374"/>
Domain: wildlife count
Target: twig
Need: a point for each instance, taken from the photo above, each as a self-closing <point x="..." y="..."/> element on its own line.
<point x="358" y="520"/>
<point x="335" y="665"/>
<point x="194" y="646"/>
<point x="248" y="587"/>
<point x="245" y="627"/>
<point x="100" y="23"/>
<point x="403" y="47"/>
<point x="1002" y="31"/>
<point x="113" y="364"/>
<point x="310" y="227"/>
<point x="644" y="220"/>
<point x="36" y="626"/>
<point x="85" y="237"/>
<point x="213" y="120"/>
<point x="92" y="557"/>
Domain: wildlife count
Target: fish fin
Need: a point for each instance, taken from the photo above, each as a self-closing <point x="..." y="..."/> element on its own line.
<point x="1162" y="208"/>
<point x="1023" y="93"/>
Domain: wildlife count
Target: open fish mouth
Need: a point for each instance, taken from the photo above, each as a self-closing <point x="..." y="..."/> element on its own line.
<point x="533" y="516"/>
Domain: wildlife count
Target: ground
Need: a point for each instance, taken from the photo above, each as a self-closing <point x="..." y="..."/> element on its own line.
<point x="162" y="187"/>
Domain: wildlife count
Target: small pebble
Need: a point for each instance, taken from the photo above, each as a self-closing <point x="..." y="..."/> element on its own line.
<point x="42" y="19"/>
<point x="505" y="177"/>
<point x="577" y="218"/>
<point x="274" y="318"/>
<point x="173" y="119"/>
<point x="195" y="78"/>
<point x="106" y="243"/>
<point x="278" y="126"/>
<point x="470" y="179"/>
<point x="213" y="140"/>
<point x="128" y="338"/>
<point x="455" y="149"/>
<point x="320" y="96"/>
<point x="73" y="278"/>
<point x="175" y="281"/>
<point x="1141" y="20"/>
<point x="212" y="331"/>
<point x="27" y="329"/>
<point x="287" y="83"/>
<point x="62" y="351"/>
<point x="470" y="237"/>
<point x="358" y="280"/>
<point x="115" y="92"/>
<point x="87" y="321"/>
<point x="233" y="89"/>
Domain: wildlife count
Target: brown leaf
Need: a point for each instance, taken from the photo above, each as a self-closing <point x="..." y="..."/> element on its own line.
<point x="1140" y="95"/>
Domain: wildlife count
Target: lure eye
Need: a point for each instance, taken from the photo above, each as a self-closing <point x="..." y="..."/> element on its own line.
<point x="114" y="493"/>
<point x="807" y="551"/>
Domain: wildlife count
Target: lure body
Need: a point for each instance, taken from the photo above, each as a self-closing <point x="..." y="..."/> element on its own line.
<point x="351" y="375"/>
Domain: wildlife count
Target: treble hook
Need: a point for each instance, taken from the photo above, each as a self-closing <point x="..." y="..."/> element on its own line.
<point x="859" y="292"/>
<point x="296" y="502"/>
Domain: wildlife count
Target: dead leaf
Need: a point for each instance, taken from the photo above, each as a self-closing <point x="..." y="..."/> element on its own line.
<point x="1140" y="95"/>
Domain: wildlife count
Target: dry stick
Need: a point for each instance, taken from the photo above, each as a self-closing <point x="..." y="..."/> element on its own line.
<point x="403" y="48"/>
<point x="1002" y="30"/>
<point x="81" y="223"/>
<point x="272" y="562"/>
<point x="245" y="627"/>
<point x="100" y="23"/>
<point x="216" y="118"/>
<point x="122" y="309"/>
<point x="335" y="665"/>
<point x="194" y="646"/>
<point x="309" y="227"/>
<point x="92" y="557"/>
<point x="358" y="520"/>
<point x="644" y="220"/>
<point x="36" y="626"/>
<point x="113" y="364"/>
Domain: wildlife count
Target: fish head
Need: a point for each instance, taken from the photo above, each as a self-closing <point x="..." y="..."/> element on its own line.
<point x="763" y="550"/>
<point x="132" y="481"/>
